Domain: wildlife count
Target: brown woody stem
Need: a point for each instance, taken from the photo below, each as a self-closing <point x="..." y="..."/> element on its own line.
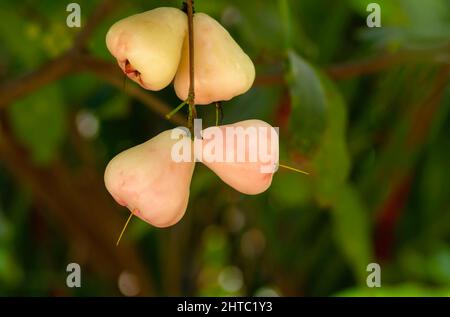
<point x="191" y="93"/>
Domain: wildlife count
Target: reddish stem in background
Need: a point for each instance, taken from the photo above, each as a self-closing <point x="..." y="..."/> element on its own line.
<point x="389" y="214"/>
<point x="392" y="208"/>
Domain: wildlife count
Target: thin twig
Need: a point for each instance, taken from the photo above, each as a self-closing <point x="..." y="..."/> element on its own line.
<point x="293" y="169"/>
<point x="76" y="60"/>
<point x="375" y="64"/>
<point x="191" y="93"/>
<point x="25" y="85"/>
<point x="64" y="66"/>
<point x="123" y="229"/>
<point x="369" y="65"/>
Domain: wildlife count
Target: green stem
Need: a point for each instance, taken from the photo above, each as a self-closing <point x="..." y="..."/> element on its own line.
<point x="219" y="113"/>
<point x="181" y="105"/>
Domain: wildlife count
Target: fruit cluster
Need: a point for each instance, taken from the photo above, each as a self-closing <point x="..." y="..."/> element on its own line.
<point x="152" y="49"/>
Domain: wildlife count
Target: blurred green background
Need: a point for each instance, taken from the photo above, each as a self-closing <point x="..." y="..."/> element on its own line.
<point x="365" y="110"/>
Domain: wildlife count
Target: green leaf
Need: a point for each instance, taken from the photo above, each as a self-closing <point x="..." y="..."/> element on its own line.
<point x="352" y="231"/>
<point x="39" y="122"/>
<point x="331" y="165"/>
<point x="308" y="116"/>
<point x="331" y="162"/>
<point x="319" y="121"/>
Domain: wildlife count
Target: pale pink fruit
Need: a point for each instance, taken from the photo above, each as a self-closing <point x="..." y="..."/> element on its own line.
<point x="148" y="45"/>
<point x="149" y="183"/>
<point x="222" y="69"/>
<point x="250" y="164"/>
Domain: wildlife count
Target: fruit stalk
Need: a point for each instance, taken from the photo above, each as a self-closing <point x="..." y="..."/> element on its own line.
<point x="191" y="94"/>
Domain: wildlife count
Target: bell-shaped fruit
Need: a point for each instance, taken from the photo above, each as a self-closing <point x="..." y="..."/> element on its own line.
<point x="149" y="182"/>
<point x="148" y="45"/>
<point x="222" y="69"/>
<point x="244" y="154"/>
